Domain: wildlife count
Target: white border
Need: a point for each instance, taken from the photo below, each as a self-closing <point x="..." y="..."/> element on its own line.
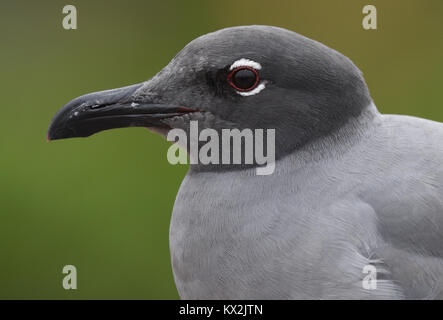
<point x="245" y="63"/>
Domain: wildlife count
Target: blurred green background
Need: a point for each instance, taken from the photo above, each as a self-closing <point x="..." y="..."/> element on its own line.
<point x="104" y="203"/>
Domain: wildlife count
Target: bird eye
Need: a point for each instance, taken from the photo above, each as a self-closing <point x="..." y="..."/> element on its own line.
<point x="243" y="78"/>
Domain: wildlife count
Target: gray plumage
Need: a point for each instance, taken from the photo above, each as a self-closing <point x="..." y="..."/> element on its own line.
<point x="371" y="194"/>
<point x="351" y="187"/>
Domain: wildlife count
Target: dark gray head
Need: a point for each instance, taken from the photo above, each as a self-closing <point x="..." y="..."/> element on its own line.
<point x="241" y="77"/>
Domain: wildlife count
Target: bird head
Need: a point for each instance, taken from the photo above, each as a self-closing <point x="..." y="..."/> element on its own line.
<point x="256" y="77"/>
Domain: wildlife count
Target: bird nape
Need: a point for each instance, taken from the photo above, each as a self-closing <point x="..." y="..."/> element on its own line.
<point x="354" y="208"/>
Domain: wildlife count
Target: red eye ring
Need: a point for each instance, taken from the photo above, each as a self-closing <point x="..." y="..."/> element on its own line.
<point x="233" y="72"/>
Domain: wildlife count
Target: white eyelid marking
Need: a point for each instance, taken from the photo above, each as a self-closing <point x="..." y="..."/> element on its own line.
<point x="259" y="88"/>
<point x="252" y="64"/>
<point x="245" y="63"/>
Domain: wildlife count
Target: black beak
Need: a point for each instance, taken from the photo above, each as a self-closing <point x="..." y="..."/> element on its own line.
<point x="98" y="111"/>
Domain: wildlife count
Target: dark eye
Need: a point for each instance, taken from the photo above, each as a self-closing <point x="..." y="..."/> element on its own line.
<point x="243" y="78"/>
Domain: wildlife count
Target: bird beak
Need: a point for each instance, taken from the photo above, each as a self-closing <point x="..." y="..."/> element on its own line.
<point x="98" y="111"/>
